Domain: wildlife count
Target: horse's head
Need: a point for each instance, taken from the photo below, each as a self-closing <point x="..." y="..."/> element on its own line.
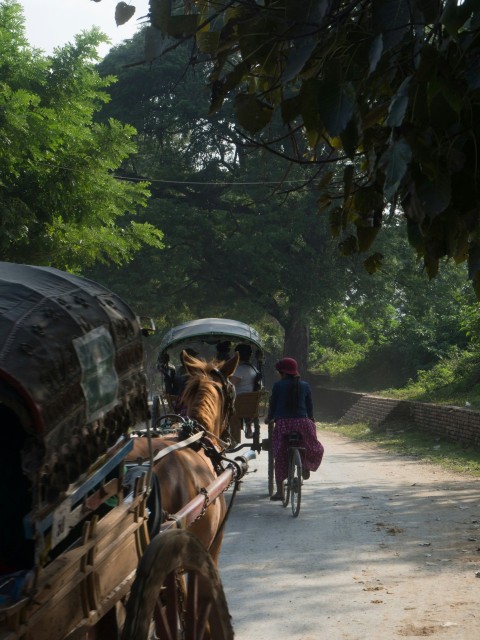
<point x="209" y="395"/>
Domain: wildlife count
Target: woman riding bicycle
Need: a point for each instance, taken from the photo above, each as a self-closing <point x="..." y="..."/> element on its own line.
<point x="291" y="408"/>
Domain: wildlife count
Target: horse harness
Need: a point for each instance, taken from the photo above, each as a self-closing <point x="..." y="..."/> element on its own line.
<point x="228" y="391"/>
<point x="194" y="435"/>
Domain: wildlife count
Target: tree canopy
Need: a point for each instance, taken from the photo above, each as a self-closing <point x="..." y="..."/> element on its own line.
<point x="230" y="245"/>
<point x="60" y="200"/>
<point x="385" y="90"/>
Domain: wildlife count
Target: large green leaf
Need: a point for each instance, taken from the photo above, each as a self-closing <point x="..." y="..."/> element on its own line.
<point x="256" y="39"/>
<point x="366" y="236"/>
<point x="391" y="18"/>
<point x="123" y="13"/>
<point x="373" y="263"/>
<point x="435" y="195"/>
<point x="455" y="14"/>
<point x="207" y="41"/>
<point x="375" y="53"/>
<point x="160" y="11"/>
<point x="181" y="26"/>
<point x="336" y="104"/>
<point x="155" y="43"/>
<point x="252" y="114"/>
<point x="415" y="236"/>
<point x="297" y="59"/>
<point x="394" y="163"/>
<point x="291" y="108"/>
<point x="399" y="104"/>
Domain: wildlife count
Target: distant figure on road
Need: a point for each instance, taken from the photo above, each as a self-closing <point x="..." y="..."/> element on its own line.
<point x="291" y="407"/>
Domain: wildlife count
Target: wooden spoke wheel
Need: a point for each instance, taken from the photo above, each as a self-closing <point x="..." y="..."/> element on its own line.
<point x="177" y="593"/>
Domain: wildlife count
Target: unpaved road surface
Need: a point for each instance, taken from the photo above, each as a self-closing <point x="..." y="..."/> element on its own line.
<point x="384" y="547"/>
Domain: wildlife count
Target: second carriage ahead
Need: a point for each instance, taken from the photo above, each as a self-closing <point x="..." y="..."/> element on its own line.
<point x="209" y="338"/>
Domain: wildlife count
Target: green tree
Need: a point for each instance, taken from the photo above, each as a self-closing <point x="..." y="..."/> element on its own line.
<point x="395" y="323"/>
<point x="60" y="201"/>
<point x="387" y="88"/>
<point x="232" y="246"/>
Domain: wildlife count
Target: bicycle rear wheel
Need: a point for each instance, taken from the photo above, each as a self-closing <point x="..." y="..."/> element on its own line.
<point x="296" y="482"/>
<point x="287" y="484"/>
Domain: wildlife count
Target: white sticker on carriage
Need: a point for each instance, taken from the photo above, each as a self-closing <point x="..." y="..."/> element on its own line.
<point x="96" y="354"/>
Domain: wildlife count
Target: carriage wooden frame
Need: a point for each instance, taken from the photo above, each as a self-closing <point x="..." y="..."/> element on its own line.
<point x="94" y="543"/>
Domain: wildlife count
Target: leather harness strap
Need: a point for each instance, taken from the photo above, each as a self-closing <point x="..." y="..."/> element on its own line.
<point x="178" y="445"/>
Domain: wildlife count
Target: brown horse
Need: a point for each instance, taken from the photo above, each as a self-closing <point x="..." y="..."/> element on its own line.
<point x="184" y="473"/>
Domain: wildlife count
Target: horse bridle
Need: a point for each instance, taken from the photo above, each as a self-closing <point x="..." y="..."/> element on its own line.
<point x="228" y="392"/>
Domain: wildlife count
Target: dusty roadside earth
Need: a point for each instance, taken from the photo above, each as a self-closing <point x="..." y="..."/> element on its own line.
<point x="384" y="547"/>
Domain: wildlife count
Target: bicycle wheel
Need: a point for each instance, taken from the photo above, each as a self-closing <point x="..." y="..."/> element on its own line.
<point x="296" y="482"/>
<point x="287" y="484"/>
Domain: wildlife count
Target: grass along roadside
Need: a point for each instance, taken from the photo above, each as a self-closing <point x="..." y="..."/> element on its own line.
<point x="402" y="439"/>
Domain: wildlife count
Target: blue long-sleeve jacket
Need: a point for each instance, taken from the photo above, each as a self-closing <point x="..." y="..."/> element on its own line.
<point x="278" y="404"/>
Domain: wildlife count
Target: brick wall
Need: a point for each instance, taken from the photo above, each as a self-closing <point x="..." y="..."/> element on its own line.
<point x="461" y="425"/>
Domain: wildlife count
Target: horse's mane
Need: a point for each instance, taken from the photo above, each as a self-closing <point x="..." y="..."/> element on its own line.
<point x="202" y="397"/>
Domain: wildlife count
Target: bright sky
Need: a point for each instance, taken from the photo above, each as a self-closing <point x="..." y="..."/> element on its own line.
<point x="52" y="23"/>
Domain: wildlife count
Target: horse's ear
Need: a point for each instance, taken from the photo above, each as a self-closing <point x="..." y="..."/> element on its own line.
<point x="228" y="367"/>
<point x="192" y="365"/>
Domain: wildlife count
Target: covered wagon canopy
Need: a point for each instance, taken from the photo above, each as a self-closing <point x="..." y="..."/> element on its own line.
<point x="210" y="331"/>
<point x="71" y="360"/>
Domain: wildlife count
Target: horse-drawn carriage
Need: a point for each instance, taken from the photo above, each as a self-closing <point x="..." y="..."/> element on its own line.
<point x="213" y="338"/>
<point x="94" y="543"/>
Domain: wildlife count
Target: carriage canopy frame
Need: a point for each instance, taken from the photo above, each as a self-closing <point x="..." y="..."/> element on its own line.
<point x="211" y="331"/>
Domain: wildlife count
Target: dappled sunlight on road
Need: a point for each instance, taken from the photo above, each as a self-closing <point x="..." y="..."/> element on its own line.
<point x="382" y="542"/>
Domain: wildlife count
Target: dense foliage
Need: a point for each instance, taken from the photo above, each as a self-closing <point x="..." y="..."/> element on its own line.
<point x="60" y="201"/>
<point x="388" y="89"/>
<point x="236" y="242"/>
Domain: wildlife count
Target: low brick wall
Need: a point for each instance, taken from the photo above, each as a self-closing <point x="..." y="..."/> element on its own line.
<point x="347" y="407"/>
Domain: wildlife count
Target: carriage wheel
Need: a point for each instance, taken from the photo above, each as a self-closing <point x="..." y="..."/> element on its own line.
<point x="177" y="593"/>
<point x="155" y="412"/>
<point x="271" y="463"/>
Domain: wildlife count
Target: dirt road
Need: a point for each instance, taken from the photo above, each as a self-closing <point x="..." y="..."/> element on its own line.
<point x="384" y="547"/>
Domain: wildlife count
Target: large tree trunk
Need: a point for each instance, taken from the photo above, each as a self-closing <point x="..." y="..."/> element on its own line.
<point x="297" y="342"/>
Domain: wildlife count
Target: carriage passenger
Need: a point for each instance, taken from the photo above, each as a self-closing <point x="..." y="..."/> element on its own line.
<point x="246" y="379"/>
<point x="223" y="350"/>
<point x="291" y="407"/>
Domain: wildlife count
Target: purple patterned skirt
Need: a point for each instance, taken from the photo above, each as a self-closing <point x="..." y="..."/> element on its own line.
<point x="311" y="457"/>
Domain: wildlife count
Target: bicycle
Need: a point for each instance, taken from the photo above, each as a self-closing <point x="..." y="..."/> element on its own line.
<point x="292" y="486"/>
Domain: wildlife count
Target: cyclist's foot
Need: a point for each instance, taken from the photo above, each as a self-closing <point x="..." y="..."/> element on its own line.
<point x="249" y="432"/>
<point x="305" y="474"/>
<point x="276" y="496"/>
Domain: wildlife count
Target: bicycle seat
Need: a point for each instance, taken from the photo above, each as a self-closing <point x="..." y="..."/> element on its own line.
<point x="294" y="438"/>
